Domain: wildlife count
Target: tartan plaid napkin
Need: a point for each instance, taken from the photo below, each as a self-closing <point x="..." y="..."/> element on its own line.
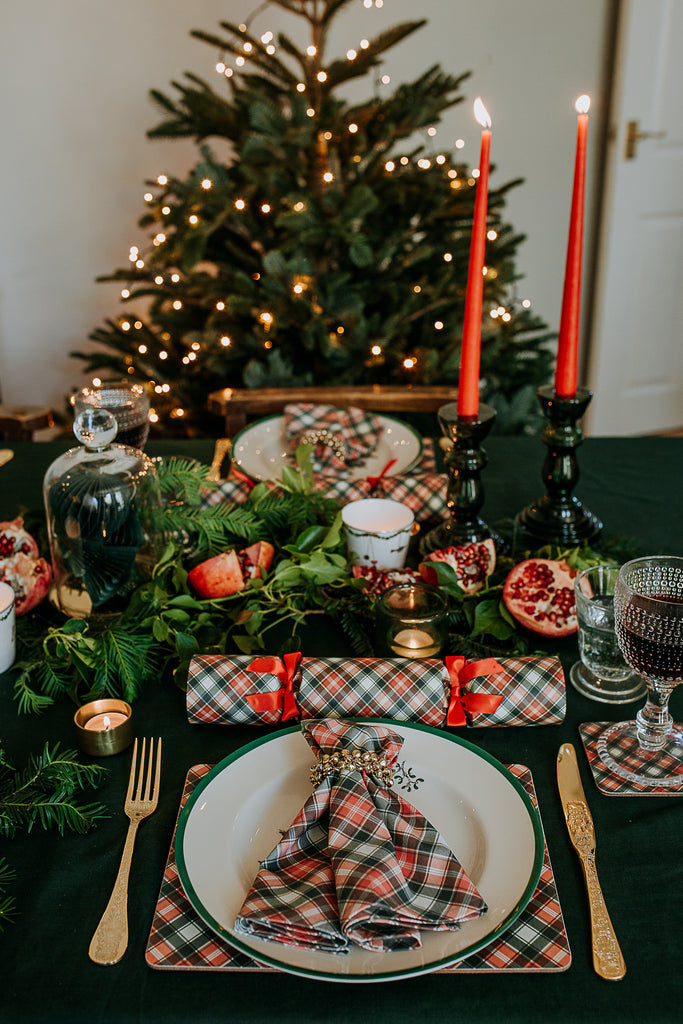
<point x="346" y="435"/>
<point x="423" y="490"/>
<point x="359" y="863"/>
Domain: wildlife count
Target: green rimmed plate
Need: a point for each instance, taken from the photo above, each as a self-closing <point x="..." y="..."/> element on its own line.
<point x="236" y="814"/>
<point x="262" y="449"/>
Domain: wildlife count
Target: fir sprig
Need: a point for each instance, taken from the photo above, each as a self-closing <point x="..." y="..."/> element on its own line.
<point x="45" y="792"/>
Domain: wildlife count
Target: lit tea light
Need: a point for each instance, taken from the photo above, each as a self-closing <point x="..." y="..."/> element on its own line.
<point x="414" y="643"/>
<point x="104" y="727"/>
<point x="100" y="723"/>
<point x="411" y="620"/>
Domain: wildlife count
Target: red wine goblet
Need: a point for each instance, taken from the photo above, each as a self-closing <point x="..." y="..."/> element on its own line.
<point x="648" y="616"/>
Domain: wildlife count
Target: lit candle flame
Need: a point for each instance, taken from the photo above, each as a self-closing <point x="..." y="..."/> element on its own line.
<point x="107" y="722"/>
<point x="481" y="113"/>
<point x="582" y="105"/>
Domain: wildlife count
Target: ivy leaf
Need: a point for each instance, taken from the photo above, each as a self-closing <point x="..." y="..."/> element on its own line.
<point x="186" y="646"/>
<point x="488" y="620"/>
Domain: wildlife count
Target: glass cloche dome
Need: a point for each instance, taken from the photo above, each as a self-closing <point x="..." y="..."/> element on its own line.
<point x="98" y="499"/>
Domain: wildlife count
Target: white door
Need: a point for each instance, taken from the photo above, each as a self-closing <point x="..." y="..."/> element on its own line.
<point x="635" y="365"/>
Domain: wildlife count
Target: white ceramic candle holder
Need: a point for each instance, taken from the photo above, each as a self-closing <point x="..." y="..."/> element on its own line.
<point x="7" y="627"/>
<point x="377" y="532"/>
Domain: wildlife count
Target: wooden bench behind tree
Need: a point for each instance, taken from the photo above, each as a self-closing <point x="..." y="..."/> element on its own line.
<point x="235" y="405"/>
<point x="19" y="422"/>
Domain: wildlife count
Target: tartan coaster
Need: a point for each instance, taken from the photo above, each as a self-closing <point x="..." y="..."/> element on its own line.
<point x="611" y="784"/>
<point x="179" y="939"/>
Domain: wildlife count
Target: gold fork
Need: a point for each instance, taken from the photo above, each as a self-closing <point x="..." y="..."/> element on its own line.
<point x="111" y="936"/>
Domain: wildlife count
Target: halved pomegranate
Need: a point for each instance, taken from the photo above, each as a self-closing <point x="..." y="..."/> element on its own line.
<point x="21" y="566"/>
<point x="229" y="572"/>
<point x="473" y="564"/>
<point x="381" y="579"/>
<point x="539" y="593"/>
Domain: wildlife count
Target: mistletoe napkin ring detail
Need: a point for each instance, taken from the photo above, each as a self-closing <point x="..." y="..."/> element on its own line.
<point x="342" y="762"/>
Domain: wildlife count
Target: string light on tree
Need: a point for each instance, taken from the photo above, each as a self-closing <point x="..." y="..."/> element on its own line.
<point x="274" y="196"/>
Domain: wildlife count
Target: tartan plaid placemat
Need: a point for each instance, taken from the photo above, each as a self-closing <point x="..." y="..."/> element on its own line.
<point x="613" y="785"/>
<point x="422" y="489"/>
<point x="179" y="939"/>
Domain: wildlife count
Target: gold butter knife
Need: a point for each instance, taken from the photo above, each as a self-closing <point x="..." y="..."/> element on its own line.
<point x="607" y="957"/>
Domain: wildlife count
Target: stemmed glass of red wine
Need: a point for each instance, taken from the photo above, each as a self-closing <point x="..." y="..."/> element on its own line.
<point x="648" y="613"/>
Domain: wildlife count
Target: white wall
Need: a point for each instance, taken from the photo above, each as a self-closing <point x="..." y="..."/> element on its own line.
<point x="74" y="82"/>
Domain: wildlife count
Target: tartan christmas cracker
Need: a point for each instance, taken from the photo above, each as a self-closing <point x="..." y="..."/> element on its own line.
<point x="423" y="490"/>
<point x="359" y="864"/>
<point x="269" y="690"/>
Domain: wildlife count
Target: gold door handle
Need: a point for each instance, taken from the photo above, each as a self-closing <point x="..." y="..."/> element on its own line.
<point x="634" y="136"/>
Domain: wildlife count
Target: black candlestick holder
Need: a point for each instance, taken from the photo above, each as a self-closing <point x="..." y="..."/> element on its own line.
<point x="558" y="517"/>
<point x="465" y="493"/>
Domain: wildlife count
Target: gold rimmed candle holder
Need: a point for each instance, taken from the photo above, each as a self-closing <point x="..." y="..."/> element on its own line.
<point x="104" y="727"/>
<point x="559" y="517"/>
<point x="465" y="461"/>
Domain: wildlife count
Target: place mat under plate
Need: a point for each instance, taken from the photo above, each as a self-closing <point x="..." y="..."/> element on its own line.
<point x="611" y="784"/>
<point x="179" y="939"/>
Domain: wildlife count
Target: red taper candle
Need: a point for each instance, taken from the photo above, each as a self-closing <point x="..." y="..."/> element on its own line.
<point x="566" y="366"/>
<point x="468" y="388"/>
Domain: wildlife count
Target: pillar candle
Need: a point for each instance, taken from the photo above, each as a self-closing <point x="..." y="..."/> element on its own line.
<point x="468" y="393"/>
<point x="566" y="367"/>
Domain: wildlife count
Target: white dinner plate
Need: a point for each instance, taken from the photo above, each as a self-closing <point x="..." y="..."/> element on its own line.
<point x="262" y="449"/>
<point x="238" y="811"/>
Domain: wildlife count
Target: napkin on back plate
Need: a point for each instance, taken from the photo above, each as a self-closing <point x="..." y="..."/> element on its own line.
<point x="359" y="864"/>
<point x="346" y="435"/>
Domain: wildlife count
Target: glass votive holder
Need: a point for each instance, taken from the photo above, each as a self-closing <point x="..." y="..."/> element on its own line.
<point x="411" y="621"/>
<point x="104" y="727"/>
<point x="601" y="674"/>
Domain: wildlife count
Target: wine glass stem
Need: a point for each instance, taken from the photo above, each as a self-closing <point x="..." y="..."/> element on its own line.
<point x="653" y="721"/>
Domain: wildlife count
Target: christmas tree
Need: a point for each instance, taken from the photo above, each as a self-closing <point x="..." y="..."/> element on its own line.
<point x="317" y="240"/>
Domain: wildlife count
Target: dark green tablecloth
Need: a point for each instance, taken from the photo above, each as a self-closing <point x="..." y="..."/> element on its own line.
<point x="64" y="883"/>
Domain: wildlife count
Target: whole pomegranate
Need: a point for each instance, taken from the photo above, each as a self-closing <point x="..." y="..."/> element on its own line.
<point x="472" y="563"/>
<point x="21" y="566"/>
<point x="539" y="593"/>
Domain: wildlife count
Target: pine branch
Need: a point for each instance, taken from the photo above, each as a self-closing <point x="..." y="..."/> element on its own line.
<point x="45" y="793"/>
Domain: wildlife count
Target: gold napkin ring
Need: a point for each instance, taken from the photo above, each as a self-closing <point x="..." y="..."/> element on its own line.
<point x="345" y="761"/>
<point x="322" y="436"/>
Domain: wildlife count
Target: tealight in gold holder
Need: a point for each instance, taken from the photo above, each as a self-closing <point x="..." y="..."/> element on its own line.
<point x="104" y="727"/>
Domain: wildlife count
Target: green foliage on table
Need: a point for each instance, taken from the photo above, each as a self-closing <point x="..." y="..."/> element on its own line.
<point x="165" y="623"/>
<point x="317" y="254"/>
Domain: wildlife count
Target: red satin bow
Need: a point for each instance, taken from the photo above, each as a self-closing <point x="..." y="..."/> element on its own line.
<point x="460" y="702"/>
<point x="374" y="480"/>
<point x="242" y="477"/>
<point x="285" y="670"/>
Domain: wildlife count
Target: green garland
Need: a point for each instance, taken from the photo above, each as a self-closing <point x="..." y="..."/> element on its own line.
<point x="165" y="624"/>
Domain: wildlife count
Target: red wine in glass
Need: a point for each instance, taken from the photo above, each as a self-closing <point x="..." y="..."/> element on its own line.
<point x="648" y="618"/>
<point x="659" y="659"/>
